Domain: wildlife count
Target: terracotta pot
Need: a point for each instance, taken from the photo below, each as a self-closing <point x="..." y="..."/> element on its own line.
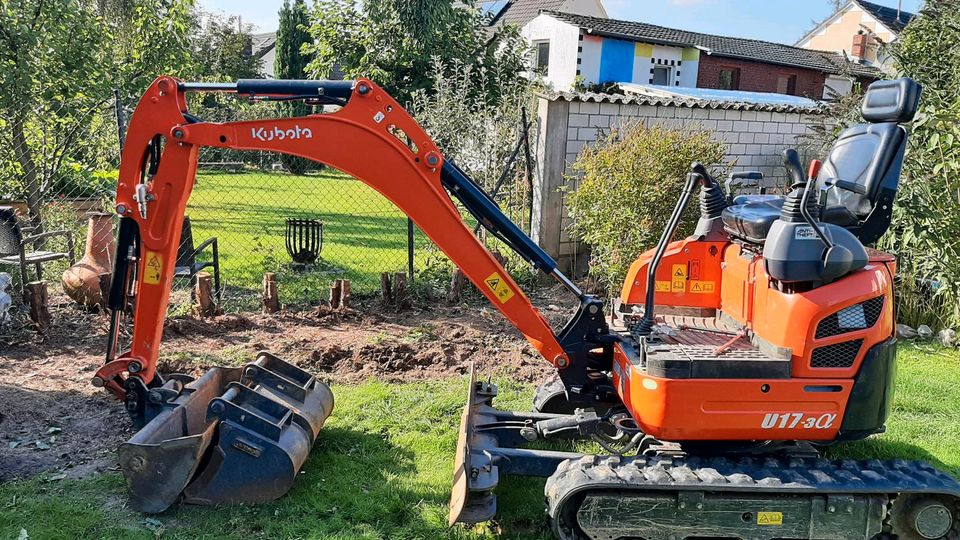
<point x="81" y="281"/>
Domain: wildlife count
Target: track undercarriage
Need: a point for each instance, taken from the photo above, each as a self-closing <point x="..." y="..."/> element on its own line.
<point x="653" y="490"/>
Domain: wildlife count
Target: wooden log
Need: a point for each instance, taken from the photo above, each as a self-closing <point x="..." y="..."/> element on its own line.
<point x="400" y="291"/>
<point x="206" y="305"/>
<point x="386" y="291"/>
<point x="36" y="292"/>
<point x="271" y="298"/>
<point x="457" y="282"/>
<point x="345" y="294"/>
<point x="335" y="290"/>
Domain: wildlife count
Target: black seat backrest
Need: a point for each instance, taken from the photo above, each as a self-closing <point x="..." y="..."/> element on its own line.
<point x="862" y="171"/>
<point x="10" y="236"/>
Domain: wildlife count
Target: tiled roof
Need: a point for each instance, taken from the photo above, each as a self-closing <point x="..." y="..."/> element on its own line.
<point x="892" y="18"/>
<point x="591" y="97"/>
<point x="520" y="12"/>
<point x="732" y="47"/>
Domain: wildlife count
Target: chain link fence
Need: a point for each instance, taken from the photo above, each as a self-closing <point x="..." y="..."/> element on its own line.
<point x="58" y="174"/>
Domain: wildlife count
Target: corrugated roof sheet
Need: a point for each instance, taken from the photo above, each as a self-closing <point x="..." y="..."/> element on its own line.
<point x="592" y="97"/>
<point x="733" y="47"/>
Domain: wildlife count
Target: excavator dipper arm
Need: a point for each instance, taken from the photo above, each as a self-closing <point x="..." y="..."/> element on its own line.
<point x="372" y="138"/>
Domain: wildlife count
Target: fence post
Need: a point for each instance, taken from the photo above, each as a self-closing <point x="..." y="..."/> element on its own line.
<point x="547" y="213"/>
<point x="410" y="232"/>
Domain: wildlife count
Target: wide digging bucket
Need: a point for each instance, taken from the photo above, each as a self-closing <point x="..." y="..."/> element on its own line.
<point x="235" y="435"/>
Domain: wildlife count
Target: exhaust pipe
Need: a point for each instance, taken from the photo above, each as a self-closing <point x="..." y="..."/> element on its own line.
<point x="235" y="435"/>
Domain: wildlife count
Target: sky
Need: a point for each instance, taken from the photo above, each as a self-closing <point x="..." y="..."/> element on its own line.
<point x="783" y="21"/>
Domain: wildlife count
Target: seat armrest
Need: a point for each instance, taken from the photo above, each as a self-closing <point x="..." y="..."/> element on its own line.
<point x="744" y="179"/>
<point x="49" y="234"/>
<point x="212" y="241"/>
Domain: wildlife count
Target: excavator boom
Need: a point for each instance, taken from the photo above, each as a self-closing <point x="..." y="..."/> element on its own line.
<point x="371" y="138"/>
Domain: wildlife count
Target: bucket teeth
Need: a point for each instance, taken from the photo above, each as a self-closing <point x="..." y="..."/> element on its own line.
<point x="236" y="435"/>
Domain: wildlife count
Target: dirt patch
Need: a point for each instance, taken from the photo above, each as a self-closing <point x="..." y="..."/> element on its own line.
<point x="52" y="420"/>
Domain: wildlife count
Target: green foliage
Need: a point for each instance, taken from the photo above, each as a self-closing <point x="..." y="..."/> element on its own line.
<point x="291" y="63"/>
<point x="926" y="230"/>
<point x="631" y="181"/>
<point x="393" y="42"/>
<point x="59" y="64"/>
<point x="221" y="49"/>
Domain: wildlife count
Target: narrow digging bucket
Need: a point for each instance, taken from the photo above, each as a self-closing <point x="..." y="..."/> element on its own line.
<point x="235" y="435"/>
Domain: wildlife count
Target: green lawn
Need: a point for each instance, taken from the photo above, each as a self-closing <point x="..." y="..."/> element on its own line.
<point x="364" y="233"/>
<point x="381" y="469"/>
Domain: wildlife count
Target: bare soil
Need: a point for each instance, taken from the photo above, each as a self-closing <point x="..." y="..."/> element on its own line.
<point x="53" y="421"/>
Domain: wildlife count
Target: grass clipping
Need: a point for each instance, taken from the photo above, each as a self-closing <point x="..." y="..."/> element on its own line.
<point x="628" y="186"/>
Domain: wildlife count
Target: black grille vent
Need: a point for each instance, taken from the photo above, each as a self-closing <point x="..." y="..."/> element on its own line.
<point x="838" y="355"/>
<point x="849" y="319"/>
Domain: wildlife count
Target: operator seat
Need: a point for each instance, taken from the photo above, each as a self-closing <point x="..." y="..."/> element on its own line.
<point x="860" y="175"/>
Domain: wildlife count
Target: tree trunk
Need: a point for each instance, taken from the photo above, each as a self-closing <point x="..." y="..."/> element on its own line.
<point x="271" y="299"/>
<point x="31" y="177"/>
<point x="39" y="313"/>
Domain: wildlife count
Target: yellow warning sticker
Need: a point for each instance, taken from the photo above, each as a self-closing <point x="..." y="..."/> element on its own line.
<point x="499" y="287"/>
<point x="153" y="270"/>
<point x="678" y="284"/>
<point x="679" y="271"/>
<point x="703" y="287"/>
<point x="663" y="286"/>
<point x="769" y="518"/>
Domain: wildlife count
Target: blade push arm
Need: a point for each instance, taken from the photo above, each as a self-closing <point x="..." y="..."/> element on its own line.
<point x="372" y="138"/>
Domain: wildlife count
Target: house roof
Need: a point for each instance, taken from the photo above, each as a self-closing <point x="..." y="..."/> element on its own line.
<point x="520" y="12"/>
<point x="732" y="47"/>
<point x="263" y="43"/>
<point x="894" y="19"/>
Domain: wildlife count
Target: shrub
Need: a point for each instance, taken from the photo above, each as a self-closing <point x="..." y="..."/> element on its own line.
<point x="631" y="182"/>
<point x="926" y="229"/>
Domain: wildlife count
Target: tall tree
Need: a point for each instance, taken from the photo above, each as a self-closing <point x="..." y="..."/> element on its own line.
<point x="394" y="43"/>
<point x="291" y="63"/>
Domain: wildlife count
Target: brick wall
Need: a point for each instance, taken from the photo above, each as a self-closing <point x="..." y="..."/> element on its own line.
<point x="758" y="76"/>
<point x="755" y="140"/>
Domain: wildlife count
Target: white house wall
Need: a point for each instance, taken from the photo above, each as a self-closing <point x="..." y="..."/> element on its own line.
<point x="591" y="48"/>
<point x="564" y="41"/>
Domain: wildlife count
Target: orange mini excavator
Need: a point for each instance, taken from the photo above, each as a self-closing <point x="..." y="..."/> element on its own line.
<point x="731" y="354"/>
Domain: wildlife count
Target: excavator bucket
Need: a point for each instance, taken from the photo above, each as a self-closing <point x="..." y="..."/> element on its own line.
<point x="235" y="435"/>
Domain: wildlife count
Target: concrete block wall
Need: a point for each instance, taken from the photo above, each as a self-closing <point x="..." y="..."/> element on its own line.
<point x="755" y="137"/>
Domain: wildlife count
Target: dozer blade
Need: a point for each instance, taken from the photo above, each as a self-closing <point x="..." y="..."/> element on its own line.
<point x="235" y="435"/>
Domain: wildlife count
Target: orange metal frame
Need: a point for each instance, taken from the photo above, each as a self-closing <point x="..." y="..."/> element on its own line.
<point x="369" y="138"/>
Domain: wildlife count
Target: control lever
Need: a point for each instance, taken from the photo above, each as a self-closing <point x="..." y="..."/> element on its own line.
<point x="804" y="211"/>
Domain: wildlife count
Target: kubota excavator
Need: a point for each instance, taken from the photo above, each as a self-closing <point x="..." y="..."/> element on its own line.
<point x="731" y="355"/>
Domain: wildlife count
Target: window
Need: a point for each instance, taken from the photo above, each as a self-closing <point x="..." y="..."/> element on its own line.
<point x="661" y="75"/>
<point x="541" y="59"/>
<point x="729" y="79"/>
<point x="787" y="84"/>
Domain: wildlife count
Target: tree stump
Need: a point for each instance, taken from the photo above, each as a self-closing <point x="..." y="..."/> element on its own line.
<point x="206" y="305"/>
<point x="271" y="298"/>
<point x="335" y="290"/>
<point x="457" y="282"/>
<point x="400" y="291"/>
<point x="36" y="292"/>
<point x="345" y="294"/>
<point x="386" y="290"/>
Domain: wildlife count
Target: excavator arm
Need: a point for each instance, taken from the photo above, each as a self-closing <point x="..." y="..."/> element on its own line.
<point x="373" y="139"/>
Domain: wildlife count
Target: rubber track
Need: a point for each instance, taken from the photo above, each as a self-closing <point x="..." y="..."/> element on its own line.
<point x="755" y="475"/>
